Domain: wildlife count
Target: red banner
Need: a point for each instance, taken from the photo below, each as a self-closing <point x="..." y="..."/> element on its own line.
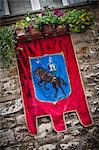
<point x="50" y="81"/>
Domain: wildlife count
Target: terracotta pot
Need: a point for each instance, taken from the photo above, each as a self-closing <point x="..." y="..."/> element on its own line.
<point x="60" y="29"/>
<point x="35" y="33"/>
<point x="47" y="29"/>
<point x="21" y="33"/>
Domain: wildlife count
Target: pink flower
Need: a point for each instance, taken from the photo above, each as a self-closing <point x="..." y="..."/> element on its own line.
<point x="30" y="27"/>
<point x="42" y="13"/>
<point x="58" y="12"/>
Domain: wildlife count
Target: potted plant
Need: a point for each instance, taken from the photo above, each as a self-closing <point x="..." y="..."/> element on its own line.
<point x="79" y="20"/>
<point x="44" y="21"/>
<point x="21" y="27"/>
<point x="59" y="21"/>
<point x="48" y="20"/>
<point x="35" y="33"/>
<point x="32" y="26"/>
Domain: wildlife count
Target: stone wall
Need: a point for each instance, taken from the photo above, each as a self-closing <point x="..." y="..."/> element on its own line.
<point x="13" y="130"/>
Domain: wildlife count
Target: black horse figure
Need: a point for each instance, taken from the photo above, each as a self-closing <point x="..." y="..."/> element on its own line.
<point x="47" y="77"/>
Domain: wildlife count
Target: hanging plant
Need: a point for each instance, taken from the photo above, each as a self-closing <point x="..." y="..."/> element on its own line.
<point x="7" y="42"/>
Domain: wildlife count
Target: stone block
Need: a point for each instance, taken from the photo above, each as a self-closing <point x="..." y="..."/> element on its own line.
<point x="21" y="134"/>
<point x="6" y="137"/>
<point x="67" y="138"/>
<point x="7" y="123"/>
<point x="82" y="46"/>
<point x="22" y="146"/>
<point x="43" y="129"/>
<point x="7" y="78"/>
<point x="11" y="107"/>
<point x="96" y="66"/>
<point x="94" y="47"/>
<point x="88" y="93"/>
<point x="10" y="86"/>
<point x="20" y="119"/>
<point x="47" y="147"/>
<point x="9" y="97"/>
<point x="69" y="145"/>
<point x="78" y="38"/>
<point x="12" y="148"/>
<point x="93" y="109"/>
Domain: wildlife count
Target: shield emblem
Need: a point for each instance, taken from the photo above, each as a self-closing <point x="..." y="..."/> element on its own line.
<point x="50" y="77"/>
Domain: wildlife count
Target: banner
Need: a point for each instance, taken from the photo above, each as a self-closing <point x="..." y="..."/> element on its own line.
<point x="50" y="81"/>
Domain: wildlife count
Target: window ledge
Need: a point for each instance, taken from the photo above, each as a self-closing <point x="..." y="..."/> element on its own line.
<point x="12" y="19"/>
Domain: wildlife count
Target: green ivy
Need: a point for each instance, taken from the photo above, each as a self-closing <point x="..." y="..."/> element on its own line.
<point x="7" y="42"/>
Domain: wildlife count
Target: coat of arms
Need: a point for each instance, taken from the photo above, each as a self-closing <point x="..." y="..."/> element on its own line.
<point x="50" y="77"/>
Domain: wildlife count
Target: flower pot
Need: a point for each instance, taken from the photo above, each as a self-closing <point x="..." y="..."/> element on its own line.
<point x="61" y="29"/>
<point x="47" y="29"/>
<point x="21" y="33"/>
<point x="35" y="33"/>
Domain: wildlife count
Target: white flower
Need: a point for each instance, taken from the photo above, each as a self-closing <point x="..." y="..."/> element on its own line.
<point x="28" y="19"/>
<point x="39" y="15"/>
<point x="33" y="19"/>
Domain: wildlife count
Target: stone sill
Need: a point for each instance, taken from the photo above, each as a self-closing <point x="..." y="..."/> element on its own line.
<point x="11" y="19"/>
